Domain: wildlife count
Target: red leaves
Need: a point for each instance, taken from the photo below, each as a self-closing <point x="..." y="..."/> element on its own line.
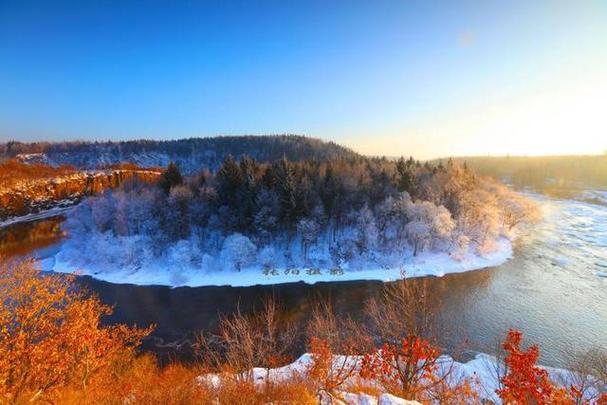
<point x="407" y="368"/>
<point x="525" y="382"/>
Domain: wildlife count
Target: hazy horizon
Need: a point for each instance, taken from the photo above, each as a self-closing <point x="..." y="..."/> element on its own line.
<point x="383" y="79"/>
<point x="390" y="156"/>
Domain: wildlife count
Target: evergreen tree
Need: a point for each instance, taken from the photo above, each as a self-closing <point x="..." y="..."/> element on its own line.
<point x="287" y="192"/>
<point x="406" y="176"/>
<point x="268" y="180"/>
<point x="328" y="191"/>
<point x="171" y="177"/>
<point x="229" y="183"/>
<point x="248" y="191"/>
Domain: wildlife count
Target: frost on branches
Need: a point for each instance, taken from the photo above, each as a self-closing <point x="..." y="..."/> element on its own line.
<point x="284" y="221"/>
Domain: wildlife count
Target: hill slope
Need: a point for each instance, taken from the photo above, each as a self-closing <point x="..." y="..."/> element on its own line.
<point x="190" y="154"/>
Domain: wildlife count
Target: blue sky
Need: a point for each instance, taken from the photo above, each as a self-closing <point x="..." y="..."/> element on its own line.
<point x="422" y="78"/>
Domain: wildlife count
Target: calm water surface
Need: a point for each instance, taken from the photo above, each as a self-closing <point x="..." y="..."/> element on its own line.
<point x="551" y="290"/>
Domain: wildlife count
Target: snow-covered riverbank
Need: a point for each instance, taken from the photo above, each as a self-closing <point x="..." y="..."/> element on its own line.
<point x="49" y="213"/>
<point x="169" y="271"/>
<point x="483" y="372"/>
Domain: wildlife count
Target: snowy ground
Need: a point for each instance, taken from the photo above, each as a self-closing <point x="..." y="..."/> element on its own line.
<point x="483" y="372"/>
<point x="53" y="212"/>
<point x="168" y="271"/>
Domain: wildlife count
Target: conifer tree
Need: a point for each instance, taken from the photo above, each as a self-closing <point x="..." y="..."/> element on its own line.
<point x="248" y="191"/>
<point x="287" y="192"/>
<point x="170" y="177"/>
<point x="229" y="182"/>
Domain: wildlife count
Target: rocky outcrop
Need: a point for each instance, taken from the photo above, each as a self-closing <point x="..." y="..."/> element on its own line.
<point x="34" y="196"/>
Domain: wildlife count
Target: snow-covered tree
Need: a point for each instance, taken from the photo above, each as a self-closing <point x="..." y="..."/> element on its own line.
<point x="366" y="230"/>
<point x="515" y="209"/>
<point x="266" y="218"/>
<point x="418" y="234"/>
<point x="429" y="225"/>
<point x="308" y="230"/>
<point x="178" y="213"/>
<point x="238" y="250"/>
<point x="480" y="220"/>
<point x="102" y="210"/>
<point x="267" y="258"/>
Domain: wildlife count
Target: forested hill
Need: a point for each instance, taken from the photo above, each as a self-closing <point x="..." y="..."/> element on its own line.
<point x="190" y="154"/>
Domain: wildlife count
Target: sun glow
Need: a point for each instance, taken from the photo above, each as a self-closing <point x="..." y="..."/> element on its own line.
<point x="569" y="119"/>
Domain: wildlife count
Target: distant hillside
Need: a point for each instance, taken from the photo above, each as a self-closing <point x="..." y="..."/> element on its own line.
<point x="556" y="175"/>
<point x="190" y="154"/>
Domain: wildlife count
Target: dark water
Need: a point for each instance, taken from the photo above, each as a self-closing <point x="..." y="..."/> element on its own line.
<point x="550" y="290"/>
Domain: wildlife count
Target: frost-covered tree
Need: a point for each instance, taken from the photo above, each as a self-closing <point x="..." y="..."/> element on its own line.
<point x="178" y="213"/>
<point x="366" y="230"/>
<point x="267" y="216"/>
<point x="418" y="234"/>
<point x="515" y="209"/>
<point x="356" y="205"/>
<point x="429" y="225"/>
<point x="238" y="250"/>
<point x="391" y="219"/>
<point x="103" y="210"/>
<point x="480" y="220"/>
<point x="268" y="258"/>
<point x="308" y="230"/>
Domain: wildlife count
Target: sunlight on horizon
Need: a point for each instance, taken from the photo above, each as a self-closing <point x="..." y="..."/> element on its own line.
<point x="568" y="120"/>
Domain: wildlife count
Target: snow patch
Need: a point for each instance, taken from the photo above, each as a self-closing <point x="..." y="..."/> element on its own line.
<point x="483" y="371"/>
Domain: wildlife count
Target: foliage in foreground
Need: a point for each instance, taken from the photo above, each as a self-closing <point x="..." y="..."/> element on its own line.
<point x="54" y="349"/>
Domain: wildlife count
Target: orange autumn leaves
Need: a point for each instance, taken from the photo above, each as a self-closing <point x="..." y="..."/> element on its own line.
<point x="53" y="348"/>
<point x="51" y="337"/>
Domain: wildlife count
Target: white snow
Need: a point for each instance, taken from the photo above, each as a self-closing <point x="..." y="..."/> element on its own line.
<point x="52" y="212"/>
<point x="483" y="372"/>
<point x="172" y="270"/>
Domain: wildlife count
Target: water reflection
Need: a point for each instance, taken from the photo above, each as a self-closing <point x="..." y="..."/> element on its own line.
<point x="26" y="237"/>
<point x="550" y="291"/>
<point x="181" y="312"/>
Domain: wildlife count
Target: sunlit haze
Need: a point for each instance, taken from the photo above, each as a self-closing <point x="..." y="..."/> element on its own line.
<point x="385" y="78"/>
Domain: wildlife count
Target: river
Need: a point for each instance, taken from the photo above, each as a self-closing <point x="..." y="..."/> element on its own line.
<point x="554" y="290"/>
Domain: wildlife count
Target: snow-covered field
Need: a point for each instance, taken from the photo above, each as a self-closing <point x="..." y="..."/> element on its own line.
<point x="169" y="270"/>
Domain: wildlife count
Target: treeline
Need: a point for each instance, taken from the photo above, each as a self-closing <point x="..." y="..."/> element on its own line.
<point x="305" y="214"/>
<point x="55" y="348"/>
<point x="191" y="154"/>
